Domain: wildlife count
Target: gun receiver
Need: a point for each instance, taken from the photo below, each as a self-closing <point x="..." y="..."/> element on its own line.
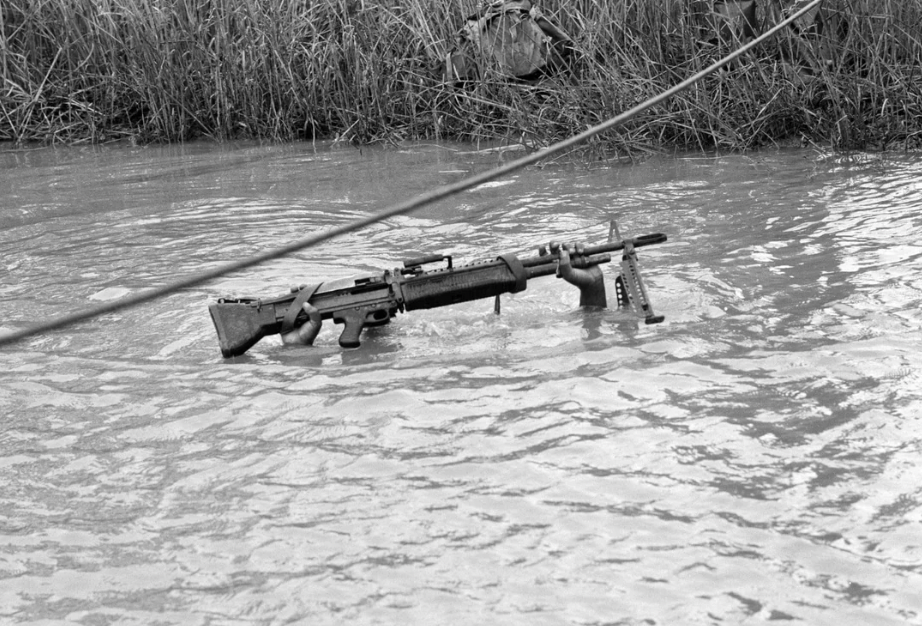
<point x="372" y="300"/>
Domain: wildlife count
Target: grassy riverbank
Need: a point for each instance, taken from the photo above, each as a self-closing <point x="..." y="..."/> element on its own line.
<point x="369" y="70"/>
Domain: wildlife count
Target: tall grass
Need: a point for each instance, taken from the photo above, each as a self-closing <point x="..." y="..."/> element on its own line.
<point x="370" y="70"/>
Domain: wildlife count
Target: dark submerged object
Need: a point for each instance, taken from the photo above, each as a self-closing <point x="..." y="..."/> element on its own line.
<point x="372" y="300"/>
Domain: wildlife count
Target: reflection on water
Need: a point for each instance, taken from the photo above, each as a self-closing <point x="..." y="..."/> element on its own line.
<point x="753" y="459"/>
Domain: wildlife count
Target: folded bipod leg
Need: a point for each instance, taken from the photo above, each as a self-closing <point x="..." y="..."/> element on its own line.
<point x="630" y="290"/>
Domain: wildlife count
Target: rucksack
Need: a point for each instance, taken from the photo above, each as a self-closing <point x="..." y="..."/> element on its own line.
<point x="510" y="37"/>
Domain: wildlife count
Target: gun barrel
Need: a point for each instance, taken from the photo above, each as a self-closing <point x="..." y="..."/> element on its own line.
<point x="612" y="246"/>
<point x="550" y="267"/>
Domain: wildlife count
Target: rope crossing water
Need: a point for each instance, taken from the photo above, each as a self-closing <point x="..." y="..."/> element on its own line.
<point x="401" y="208"/>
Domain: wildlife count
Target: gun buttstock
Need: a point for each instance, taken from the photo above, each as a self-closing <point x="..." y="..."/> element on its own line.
<point x="239" y="327"/>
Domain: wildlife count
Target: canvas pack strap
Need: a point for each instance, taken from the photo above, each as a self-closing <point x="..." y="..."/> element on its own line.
<point x="304" y="295"/>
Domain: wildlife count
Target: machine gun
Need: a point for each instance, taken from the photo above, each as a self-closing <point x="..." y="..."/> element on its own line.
<point x="372" y="300"/>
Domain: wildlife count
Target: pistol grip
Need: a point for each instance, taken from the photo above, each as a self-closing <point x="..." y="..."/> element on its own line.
<point x="353" y="322"/>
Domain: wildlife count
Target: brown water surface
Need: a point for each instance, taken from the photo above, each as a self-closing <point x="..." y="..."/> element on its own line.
<point x="755" y="458"/>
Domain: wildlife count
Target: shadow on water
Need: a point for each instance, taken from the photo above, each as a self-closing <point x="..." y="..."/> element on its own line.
<point x="752" y="459"/>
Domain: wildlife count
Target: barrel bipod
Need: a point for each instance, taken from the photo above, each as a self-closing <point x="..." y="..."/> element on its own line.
<point x="629" y="288"/>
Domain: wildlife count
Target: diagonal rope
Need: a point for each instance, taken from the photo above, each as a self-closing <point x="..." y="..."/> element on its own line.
<point x="400" y="208"/>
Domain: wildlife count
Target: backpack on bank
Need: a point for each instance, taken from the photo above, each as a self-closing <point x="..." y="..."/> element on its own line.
<point x="510" y="37"/>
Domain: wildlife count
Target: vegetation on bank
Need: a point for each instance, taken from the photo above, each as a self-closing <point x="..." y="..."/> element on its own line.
<point x="371" y="70"/>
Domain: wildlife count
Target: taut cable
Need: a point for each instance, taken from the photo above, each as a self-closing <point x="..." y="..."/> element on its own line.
<point x="401" y="208"/>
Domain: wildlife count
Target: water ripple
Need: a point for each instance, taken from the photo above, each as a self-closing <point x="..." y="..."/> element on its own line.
<point x="753" y="459"/>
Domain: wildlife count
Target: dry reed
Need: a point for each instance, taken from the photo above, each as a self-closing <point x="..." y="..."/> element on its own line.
<point x="370" y="70"/>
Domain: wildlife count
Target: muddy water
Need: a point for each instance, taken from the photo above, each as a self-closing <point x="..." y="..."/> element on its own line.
<point x="755" y="458"/>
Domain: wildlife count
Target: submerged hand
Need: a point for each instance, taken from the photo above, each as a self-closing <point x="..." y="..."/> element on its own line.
<point x="307" y="332"/>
